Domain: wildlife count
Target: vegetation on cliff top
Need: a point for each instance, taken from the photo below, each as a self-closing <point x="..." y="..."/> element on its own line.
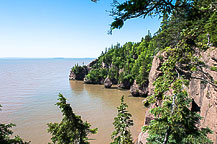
<point x="129" y="62"/>
<point x="188" y="28"/>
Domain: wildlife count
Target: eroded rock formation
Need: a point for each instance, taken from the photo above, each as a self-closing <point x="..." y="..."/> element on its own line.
<point x="92" y="63"/>
<point x="79" y="73"/>
<point x="124" y="84"/>
<point x="137" y="90"/>
<point x="201" y="90"/>
<point x="108" y="83"/>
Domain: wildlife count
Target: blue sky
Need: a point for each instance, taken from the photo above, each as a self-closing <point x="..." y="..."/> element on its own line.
<point x="63" y="28"/>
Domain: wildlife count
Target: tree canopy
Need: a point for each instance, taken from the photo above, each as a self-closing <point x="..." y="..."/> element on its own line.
<point x="141" y="8"/>
<point x="71" y="130"/>
<point x="188" y="28"/>
<point x="121" y="134"/>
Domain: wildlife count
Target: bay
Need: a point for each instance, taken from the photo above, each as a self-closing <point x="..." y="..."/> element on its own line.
<point x="29" y="89"/>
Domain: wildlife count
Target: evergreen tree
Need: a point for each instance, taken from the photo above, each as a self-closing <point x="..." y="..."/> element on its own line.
<point x="129" y="9"/>
<point x="122" y="122"/>
<point x="71" y="130"/>
<point x="188" y="27"/>
<point x="174" y="122"/>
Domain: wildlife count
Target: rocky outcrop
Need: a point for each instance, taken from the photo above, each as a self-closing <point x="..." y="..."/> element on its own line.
<point x="108" y="83"/>
<point x="202" y="91"/>
<point x="124" y="84"/>
<point x="92" y="63"/>
<point x="88" y="81"/>
<point x="78" y="73"/>
<point x="153" y="75"/>
<point x="155" y="71"/>
<point x="137" y="90"/>
<point x="114" y="81"/>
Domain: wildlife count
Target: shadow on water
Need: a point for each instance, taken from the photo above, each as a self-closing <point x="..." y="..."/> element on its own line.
<point x="77" y="86"/>
<point x="98" y="105"/>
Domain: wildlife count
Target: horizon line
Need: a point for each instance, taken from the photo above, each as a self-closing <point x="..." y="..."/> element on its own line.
<point x="44" y="57"/>
<point x="47" y="58"/>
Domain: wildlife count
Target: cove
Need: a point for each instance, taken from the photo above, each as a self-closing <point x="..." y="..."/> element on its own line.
<point x="29" y="90"/>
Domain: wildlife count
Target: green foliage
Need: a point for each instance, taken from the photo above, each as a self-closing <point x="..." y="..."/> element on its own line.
<point x="6" y="132"/>
<point x="96" y="75"/>
<point x="126" y="63"/>
<point x="174" y="122"/>
<point x="211" y="28"/>
<point x="113" y="73"/>
<point x="121" y="134"/>
<point x="71" y="129"/>
<point x="141" y="8"/>
<point x="177" y="120"/>
<point x="77" y="69"/>
<point x="182" y="35"/>
<point x="214" y="68"/>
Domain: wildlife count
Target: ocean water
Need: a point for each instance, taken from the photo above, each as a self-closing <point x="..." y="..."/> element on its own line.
<point x="29" y="89"/>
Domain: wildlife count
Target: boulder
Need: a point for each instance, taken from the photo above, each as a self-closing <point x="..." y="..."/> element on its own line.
<point x="108" y="83"/>
<point x="137" y="90"/>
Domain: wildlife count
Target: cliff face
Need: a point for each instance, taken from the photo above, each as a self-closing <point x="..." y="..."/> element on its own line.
<point x="203" y="94"/>
<point x="78" y="73"/>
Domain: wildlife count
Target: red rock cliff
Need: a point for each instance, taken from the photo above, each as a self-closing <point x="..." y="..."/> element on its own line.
<point x="204" y="94"/>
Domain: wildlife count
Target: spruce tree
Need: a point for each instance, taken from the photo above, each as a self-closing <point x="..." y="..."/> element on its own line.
<point x="71" y="130"/>
<point x="121" y="134"/>
<point x="174" y="122"/>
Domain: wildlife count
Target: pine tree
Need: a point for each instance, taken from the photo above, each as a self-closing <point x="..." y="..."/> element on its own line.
<point x="71" y="130"/>
<point x="122" y="122"/>
<point x="174" y="122"/>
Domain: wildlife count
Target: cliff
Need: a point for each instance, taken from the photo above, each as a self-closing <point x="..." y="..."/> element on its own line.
<point x="200" y="89"/>
<point x="127" y="66"/>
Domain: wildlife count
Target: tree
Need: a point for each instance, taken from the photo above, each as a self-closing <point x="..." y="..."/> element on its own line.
<point x="122" y="122"/>
<point x="142" y="8"/>
<point x="6" y="132"/>
<point x="183" y="35"/>
<point x="211" y="28"/>
<point x="71" y="130"/>
<point x="173" y="121"/>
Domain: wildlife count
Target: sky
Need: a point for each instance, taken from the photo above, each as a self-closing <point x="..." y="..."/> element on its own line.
<point x="63" y="28"/>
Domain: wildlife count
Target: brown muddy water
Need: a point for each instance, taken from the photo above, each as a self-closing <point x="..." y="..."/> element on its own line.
<point x="29" y="89"/>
